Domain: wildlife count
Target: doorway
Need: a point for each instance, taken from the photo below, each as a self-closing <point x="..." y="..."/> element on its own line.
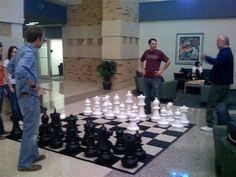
<point x="50" y="55"/>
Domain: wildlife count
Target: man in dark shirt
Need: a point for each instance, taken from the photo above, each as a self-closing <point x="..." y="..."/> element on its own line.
<point x="150" y="64"/>
<point x="221" y="78"/>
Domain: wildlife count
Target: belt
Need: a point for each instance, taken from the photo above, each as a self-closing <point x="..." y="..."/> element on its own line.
<point x="25" y="94"/>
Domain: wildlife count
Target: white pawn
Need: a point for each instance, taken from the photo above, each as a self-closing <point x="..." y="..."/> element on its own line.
<point x="170" y="114"/>
<point x="97" y="108"/>
<point x="105" y="100"/>
<point x="132" y="128"/>
<point x="116" y="105"/>
<point x="184" y="119"/>
<point x="163" y="123"/>
<point x="109" y="114"/>
<point x="87" y="110"/>
<point x="135" y="112"/>
<point x="177" y="122"/>
<point x="156" y="116"/>
<point x="141" y="105"/>
<point x="122" y="115"/>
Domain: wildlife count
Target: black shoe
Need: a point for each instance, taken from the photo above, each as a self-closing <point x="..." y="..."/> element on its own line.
<point x="41" y="157"/>
<point x="34" y="167"/>
<point x="148" y="112"/>
<point x="5" y="133"/>
<point x="2" y="137"/>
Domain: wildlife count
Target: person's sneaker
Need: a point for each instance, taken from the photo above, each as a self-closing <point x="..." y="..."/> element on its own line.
<point x="34" y="167"/>
<point x="41" y="157"/>
<point x="206" y="129"/>
<point x="2" y="137"/>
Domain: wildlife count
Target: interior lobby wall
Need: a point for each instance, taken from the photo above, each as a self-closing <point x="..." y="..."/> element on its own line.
<point x="11" y="23"/>
<point x="165" y="32"/>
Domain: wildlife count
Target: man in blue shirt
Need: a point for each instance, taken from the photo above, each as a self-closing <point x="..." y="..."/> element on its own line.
<point x="23" y="67"/>
<point x="221" y="78"/>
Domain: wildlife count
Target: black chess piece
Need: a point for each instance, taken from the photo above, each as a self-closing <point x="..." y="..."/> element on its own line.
<point x="130" y="160"/>
<point x="91" y="148"/>
<point x="16" y="131"/>
<point x="56" y="131"/>
<point x="72" y="137"/>
<point x="87" y="130"/>
<point x="44" y="130"/>
<point x="140" y="153"/>
<point x="119" y="147"/>
<point x="104" y="155"/>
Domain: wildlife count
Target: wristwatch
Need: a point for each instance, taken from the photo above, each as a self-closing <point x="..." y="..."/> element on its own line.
<point x="33" y="86"/>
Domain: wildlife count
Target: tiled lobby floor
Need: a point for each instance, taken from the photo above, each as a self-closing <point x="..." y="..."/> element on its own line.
<point x="190" y="156"/>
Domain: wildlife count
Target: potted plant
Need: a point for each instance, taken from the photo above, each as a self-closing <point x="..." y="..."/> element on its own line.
<point x="106" y="70"/>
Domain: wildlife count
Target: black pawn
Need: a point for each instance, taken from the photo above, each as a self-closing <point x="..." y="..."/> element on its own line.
<point x="119" y="147"/>
<point x="16" y="131"/>
<point x="57" y="133"/>
<point x="105" y="155"/>
<point x="44" y="130"/>
<point x="140" y="153"/>
<point x="91" y="149"/>
<point x="72" y="137"/>
<point x="130" y="160"/>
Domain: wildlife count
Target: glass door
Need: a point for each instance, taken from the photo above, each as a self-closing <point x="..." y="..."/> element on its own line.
<point x="44" y="63"/>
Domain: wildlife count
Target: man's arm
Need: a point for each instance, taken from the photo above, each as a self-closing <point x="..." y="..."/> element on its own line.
<point x="11" y="67"/>
<point x="23" y="69"/>
<point x="159" y="73"/>
<point x="142" y="67"/>
<point x="165" y="66"/>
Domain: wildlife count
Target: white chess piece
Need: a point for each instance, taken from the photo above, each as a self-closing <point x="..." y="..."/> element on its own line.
<point x="170" y="114"/>
<point x="184" y="119"/>
<point x="128" y="102"/>
<point x="156" y="116"/>
<point x="109" y="114"/>
<point x="87" y="110"/>
<point x="141" y="105"/>
<point x="135" y="112"/>
<point x="122" y="116"/>
<point x="177" y="122"/>
<point x="97" y="108"/>
<point x="116" y="105"/>
<point x="132" y="128"/>
<point x="105" y="100"/>
<point x="163" y="123"/>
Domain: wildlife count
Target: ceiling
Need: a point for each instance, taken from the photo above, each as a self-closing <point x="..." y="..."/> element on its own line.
<point x="47" y="12"/>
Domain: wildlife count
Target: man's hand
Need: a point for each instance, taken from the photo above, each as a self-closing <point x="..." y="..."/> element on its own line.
<point x="12" y="90"/>
<point x="157" y="73"/>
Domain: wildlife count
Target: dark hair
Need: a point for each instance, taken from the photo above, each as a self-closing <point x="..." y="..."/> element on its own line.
<point x="1" y="44"/>
<point x="152" y="39"/>
<point x="10" y="51"/>
<point x="33" y="33"/>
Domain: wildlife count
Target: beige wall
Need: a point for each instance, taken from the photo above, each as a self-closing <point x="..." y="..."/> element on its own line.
<point x="165" y="32"/>
<point x="11" y="23"/>
<point x="98" y="30"/>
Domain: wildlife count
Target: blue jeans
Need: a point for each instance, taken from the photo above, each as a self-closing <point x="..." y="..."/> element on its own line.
<point x="1" y="102"/>
<point x="30" y="109"/>
<point x="14" y="104"/>
<point x="151" y="91"/>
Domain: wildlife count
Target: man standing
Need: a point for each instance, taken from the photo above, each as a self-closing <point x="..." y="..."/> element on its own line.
<point x="23" y="68"/>
<point x="150" y="64"/>
<point x="221" y="77"/>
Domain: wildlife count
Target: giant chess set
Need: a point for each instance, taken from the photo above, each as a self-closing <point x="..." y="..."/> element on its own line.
<point x="115" y="134"/>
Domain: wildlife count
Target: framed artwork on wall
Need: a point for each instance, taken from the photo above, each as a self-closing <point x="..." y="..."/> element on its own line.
<point x="189" y="48"/>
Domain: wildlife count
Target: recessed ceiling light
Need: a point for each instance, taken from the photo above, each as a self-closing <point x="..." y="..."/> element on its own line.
<point x="32" y="23"/>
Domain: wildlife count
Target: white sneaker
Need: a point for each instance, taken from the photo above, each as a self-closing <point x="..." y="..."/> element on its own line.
<point x="206" y="129"/>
